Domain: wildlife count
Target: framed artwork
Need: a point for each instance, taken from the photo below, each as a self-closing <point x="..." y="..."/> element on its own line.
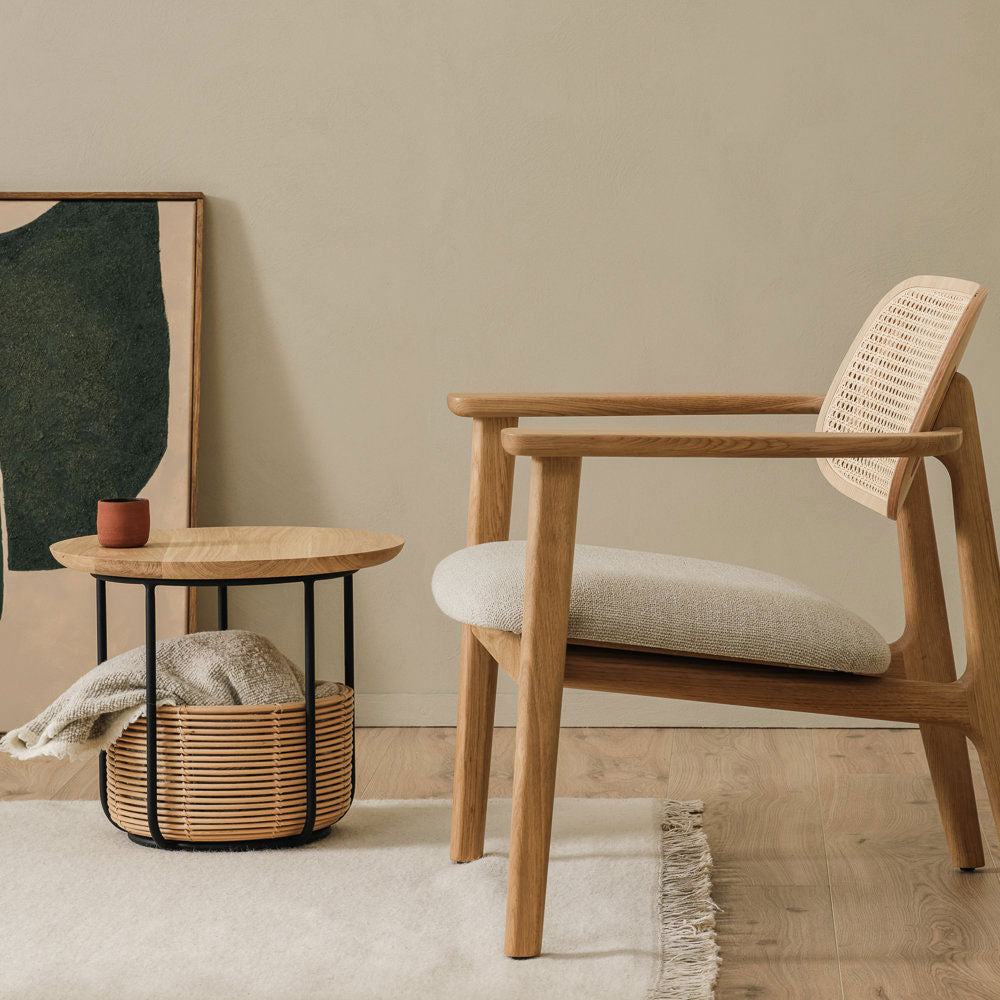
<point x="100" y="316"/>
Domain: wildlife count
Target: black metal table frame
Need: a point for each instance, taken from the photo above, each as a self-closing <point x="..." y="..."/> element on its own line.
<point x="308" y="834"/>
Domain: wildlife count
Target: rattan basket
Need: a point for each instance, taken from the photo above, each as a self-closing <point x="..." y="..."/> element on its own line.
<point x="234" y="772"/>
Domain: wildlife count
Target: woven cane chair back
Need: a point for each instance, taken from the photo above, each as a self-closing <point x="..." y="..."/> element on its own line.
<point x="894" y="379"/>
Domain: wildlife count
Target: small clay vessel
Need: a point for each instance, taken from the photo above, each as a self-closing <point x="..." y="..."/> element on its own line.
<point x="123" y="522"/>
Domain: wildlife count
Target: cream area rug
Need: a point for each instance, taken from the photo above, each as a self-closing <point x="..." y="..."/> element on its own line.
<point x="375" y="911"/>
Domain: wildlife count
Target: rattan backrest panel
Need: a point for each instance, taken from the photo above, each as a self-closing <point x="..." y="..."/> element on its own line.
<point x="894" y="378"/>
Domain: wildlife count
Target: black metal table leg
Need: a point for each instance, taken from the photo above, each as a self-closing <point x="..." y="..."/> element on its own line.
<point x="349" y="630"/>
<point x="102" y="621"/>
<point x="223" y="605"/>
<point x="151" y="804"/>
<point x="349" y="666"/>
<point x="310" y="693"/>
<point x="102" y="655"/>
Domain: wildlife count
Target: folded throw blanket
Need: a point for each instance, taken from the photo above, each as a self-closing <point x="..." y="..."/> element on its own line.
<point x="207" y="668"/>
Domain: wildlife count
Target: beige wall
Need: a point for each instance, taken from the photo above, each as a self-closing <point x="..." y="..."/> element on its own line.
<point x="416" y="197"/>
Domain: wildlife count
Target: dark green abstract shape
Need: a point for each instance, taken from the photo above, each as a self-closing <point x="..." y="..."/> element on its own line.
<point x="84" y="354"/>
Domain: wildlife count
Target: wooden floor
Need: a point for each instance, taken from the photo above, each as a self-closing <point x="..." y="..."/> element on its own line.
<point x="830" y="865"/>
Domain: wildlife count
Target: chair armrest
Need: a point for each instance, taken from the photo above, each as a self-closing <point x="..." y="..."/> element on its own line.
<point x="654" y="444"/>
<point x="626" y="404"/>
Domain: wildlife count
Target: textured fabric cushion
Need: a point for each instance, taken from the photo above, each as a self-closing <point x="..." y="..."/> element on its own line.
<point x="668" y="602"/>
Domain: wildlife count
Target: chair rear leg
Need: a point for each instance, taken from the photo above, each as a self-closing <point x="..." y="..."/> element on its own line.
<point x="473" y="749"/>
<point x="948" y="758"/>
<point x="928" y="655"/>
<point x="989" y="758"/>
<point x="490" y="489"/>
<point x="979" y="572"/>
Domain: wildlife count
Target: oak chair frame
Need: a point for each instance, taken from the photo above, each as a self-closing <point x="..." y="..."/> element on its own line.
<point x="920" y="685"/>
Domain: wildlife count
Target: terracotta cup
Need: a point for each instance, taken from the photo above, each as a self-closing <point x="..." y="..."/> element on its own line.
<point x="123" y="522"/>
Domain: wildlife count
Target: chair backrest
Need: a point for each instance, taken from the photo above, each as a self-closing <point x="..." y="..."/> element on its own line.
<point x="894" y="379"/>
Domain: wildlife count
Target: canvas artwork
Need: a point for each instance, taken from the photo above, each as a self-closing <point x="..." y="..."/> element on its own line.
<point x="99" y="326"/>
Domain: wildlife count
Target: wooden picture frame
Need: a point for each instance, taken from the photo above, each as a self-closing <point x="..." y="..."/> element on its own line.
<point x="13" y="687"/>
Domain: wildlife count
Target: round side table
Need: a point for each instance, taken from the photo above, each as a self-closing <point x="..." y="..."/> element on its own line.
<point x="222" y="558"/>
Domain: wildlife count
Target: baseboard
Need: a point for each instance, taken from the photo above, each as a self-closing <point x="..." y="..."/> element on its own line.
<point x="578" y="710"/>
<point x="584" y="708"/>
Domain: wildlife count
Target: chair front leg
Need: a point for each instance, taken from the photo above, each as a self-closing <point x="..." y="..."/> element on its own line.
<point x="555" y="486"/>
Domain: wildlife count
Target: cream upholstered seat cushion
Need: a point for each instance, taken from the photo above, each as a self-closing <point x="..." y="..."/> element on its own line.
<point x="668" y="602"/>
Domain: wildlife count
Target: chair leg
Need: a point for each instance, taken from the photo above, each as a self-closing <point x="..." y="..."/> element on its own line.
<point x="538" y="710"/>
<point x="989" y="757"/>
<point x="551" y="534"/>
<point x="928" y="655"/>
<point x="979" y="572"/>
<point x="473" y="749"/>
<point x="948" y="758"/>
<point x="491" y="486"/>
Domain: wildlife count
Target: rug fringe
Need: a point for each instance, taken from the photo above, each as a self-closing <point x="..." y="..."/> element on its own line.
<point x="689" y="954"/>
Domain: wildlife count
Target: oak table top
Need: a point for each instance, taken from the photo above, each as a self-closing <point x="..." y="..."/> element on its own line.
<point x="232" y="553"/>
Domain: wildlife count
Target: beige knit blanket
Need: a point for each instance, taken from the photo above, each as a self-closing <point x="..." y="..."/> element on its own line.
<point x="207" y="668"/>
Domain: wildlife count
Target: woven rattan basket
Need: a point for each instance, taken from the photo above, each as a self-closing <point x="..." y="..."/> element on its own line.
<point x="234" y="772"/>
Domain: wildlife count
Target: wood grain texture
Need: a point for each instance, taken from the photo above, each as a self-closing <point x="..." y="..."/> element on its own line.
<point x="928" y="938"/>
<point x="555" y="487"/>
<point x="927" y="655"/>
<point x="593" y="763"/>
<point x="880" y="826"/>
<point x="908" y="924"/>
<point x="614" y="763"/>
<point x="762" y="787"/>
<point x="626" y="404"/>
<point x="901" y="935"/>
<point x="491" y="482"/>
<point x="419" y="764"/>
<point x="846" y="752"/>
<point x="47" y="778"/>
<point x="491" y="485"/>
<point x="477" y="694"/>
<point x="370" y="748"/>
<point x="790" y="689"/>
<point x="655" y="444"/>
<point x="763" y="819"/>
<point x="777" y="942"/>
<point x="504" y="647"/>
<point x="667" y="674"/>
<point x="979" y="573"/>
<point x="991" y="835"/>
<point x="232" y="553"/>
